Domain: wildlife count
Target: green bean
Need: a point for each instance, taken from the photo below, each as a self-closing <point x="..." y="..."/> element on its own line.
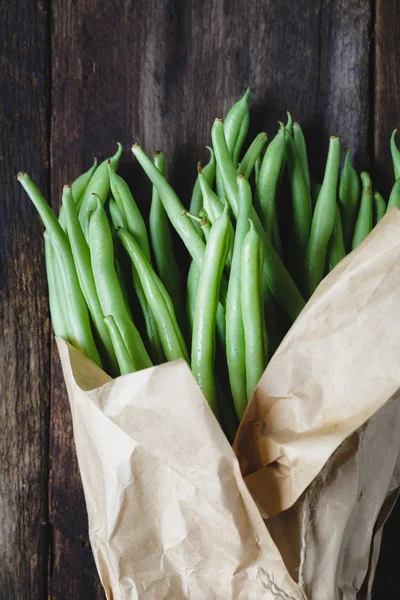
<point x="394" y="198"/>
<point x="268" y="180"/>
<point x="395" y="155"/>
<point x="209" y="173"/>
<point x="336" y="250"/>
<point x="212" y="204"/>
<point x="89" y="210"/>
<point x="301" y="199"/>
<point x="234" y="122"/>
<point x="56" y="299"/>
<point x="203" y="339"/>
<point x="161" y="241"/>
<point x="253" y="153"/>
<point x="117" y="216"/>
<point x="364" y="219"/>
<point x="315" y="189"/>
<point x="278" y="279"/>
<point x="349" y="199"/>
<point x="173" y="207"/>
<point x="78" y="187"/>
<point x="301" y="148"/>
<point x="125" y="362"/>
<point x="126" y="203"/>
<point x="191" y="292"/>
<point x="289" y="124"/>
<point x="380" y="207"/>
<point x="108" y="288"/>
<point x="81" y="255"/>
<point x="252" y="308"/>
<point x="244" y="128"/>
<point x="323" y="220"/>
<point x="172" y="341"/>
<point x="235" y="350"/>
<point x="78" y="317"/>
<point x="99" y="184"/>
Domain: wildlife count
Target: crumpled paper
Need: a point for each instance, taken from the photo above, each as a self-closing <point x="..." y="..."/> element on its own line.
<point x="170" y="514"/>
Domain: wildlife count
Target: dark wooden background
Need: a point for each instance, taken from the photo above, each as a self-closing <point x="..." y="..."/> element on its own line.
<point x="79" y="75"/>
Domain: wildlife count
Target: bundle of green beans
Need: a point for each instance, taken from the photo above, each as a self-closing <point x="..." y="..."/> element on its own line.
<point x="118" y="293"/>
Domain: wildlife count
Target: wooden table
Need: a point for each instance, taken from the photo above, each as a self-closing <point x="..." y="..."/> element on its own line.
<point x="77" y="76"/>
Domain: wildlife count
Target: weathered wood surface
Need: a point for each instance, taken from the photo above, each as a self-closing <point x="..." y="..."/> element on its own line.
<point x="158" y="73"/>
<point x="24" y="324"/>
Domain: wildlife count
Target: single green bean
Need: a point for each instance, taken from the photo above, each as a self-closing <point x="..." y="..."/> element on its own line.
<point x="349" y="199"/>
<point x="167" y="325"/>
<point x="78" y="317"/>
<point x="78" y="187"/>
<point x="99" y="184"/>
<point x="364" y="219"/>
<point x="234" y="122"/>
<point x="268" y="180"/>
<point x="125" y="362"/>
<point x="81" y="254"/>
<point x="161" y="242"/>
<point x="133" y="216"/>
<point x="336" y="249"/>
<point x="394" y="198"/>
<point x="276" y="276"/>
<point x="56" y="299"/>
<point x="117" y="216"/>
<point x="301" y="199"/>
<point x="244" y="128"/>
<point x="173" y="207"/>
<point x="257" y="168"/>
<point x="253" y="153"/>
<point x="380" y="207"/>
<point x="235" y="349"/>
<point x="212" y="204"/>
<point x="191" y="292"/>
<point x="108" y="288"/>
<point x="289" y="124"/>
<point x="395" y="155"/>
<point x="301" y="148"/>
<point x="252" y="308"/>
<point x="323" y="219"/>
<point x="197" y="199"/>
<point x="203" y="339"/>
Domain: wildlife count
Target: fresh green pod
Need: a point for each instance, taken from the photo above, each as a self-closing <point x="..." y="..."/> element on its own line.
<point x="162" y="245"/>
<point x="173" y="207"/>
<point x="108" y="288"/>
<point x="235" y="350"/>
<point x="323" y="219"/>
<point x="207" y="299"/>
<point x="257" y="168"/>
<point x="81" y="254"/>
<point x="301" y="199"/>
<point x="125" y="362"/>
<point x="380" y="207"/>
<point x="237" y="116"/>
<point x="268" y="180"/>
<point x="255" y="335"/>
<point x="315" y="189"/>
<point x="301" y="149"/>
<point x="289" y="124"/>
<point x="395" y="155"/>
<point x="336" y="249"/>
<point x="394" y="198"/>
<point x="78" y="187"/>
<point x="244" y="128"/>
<point x="58" y="311"/>
<point x="171" y="338"/>
<point x="349" y="199"/>
<point x="191" y="293"/>
<point x="364" y="219"/>
<point x="81" y="336"/>
<point x="135" y="222"/>
<point x="99" y="184"/>
<point x="196" y="202"/>
<point x="277" y="278"/>
<point x="253" y="153"/>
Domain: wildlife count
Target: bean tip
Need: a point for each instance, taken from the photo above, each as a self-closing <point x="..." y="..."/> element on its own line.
<point x="240" y="176"/>
<point x="199" y="169"/>
<point x="66" y="186"/>
<point x="135" y="145"/>
<point x="333" y="137"/>
<point x="20" y="175"/>
<point x="219" y="120"/>
<point x="155" y="153"/>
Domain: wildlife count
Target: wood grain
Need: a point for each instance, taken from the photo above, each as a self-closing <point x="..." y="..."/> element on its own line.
<point x="24" y="325"/>
<point x="159" y="72"/>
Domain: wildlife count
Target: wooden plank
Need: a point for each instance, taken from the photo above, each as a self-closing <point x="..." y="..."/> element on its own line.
<point x="24" y="325"/>
<point x="159" y="73"/>
<point x="387" y="118"/>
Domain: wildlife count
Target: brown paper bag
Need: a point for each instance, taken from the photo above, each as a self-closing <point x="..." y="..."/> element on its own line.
<point x="169" y="513"/>
<point x="330" y="396"/>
